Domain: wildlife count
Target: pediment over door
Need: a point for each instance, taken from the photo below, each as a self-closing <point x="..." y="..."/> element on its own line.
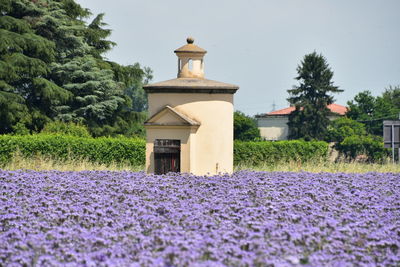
<point x="169" y="116"/>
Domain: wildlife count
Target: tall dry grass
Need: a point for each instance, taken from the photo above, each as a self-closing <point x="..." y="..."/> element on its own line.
<point x="324" y="166"/>
<point x="39" y="162"/>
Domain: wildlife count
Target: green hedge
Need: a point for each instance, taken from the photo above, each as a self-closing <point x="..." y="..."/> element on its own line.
<point x="101" y="150"/>
<point x="107" y="150"/>
<point x="256" y="153"/>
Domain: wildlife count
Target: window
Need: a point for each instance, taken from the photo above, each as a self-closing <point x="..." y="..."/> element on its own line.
<point x="190" y="64"/>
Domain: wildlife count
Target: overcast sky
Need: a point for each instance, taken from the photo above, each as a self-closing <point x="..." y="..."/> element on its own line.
<point x="257" y="44"/>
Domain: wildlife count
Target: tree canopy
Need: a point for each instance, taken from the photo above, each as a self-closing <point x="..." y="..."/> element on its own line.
<point x="245" y="128"/>
<point x="310" y="120"/>
<point x="372" y="111"/>
<point x="344" y="127"/>
<point x="52" y="67"/>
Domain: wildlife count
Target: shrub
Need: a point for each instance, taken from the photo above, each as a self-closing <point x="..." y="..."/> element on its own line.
<point x="66" y="128"/>
<point x="344" y="127"/>
<point x="101" y="150"/>
<point x="266" y="152"/>
<point x="370" y="146"/>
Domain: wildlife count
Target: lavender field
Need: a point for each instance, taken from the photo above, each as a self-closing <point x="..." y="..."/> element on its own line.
<point x="102" y="218"/>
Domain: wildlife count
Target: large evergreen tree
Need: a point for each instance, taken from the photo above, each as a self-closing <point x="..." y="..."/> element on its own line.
<point x="52" y="68"/>
<point x="310" y="120"/>
<point x="28" y="95"/>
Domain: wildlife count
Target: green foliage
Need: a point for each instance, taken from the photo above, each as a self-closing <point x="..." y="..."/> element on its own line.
<point x="66" y="128"/>
<point x="353" y="142"/>
<point x="134" y="77"/>
<point x="344" y="127"/>
<point x="392" y="95"/>
<point x="130" y="126"/>
<point x="372" y="111"/>
<point x="100" y="150"/>
<point x="266" y="152"/>
<point x="25" y="86"/>
<point x="310" y="120"/>
<point x="52" y="68"/>
<point x="74" y="10"/>
<point x="362" y="106"/>
<point x="20" y="129"/>
<point x="245" y="128"/>
<point x="12" y="110"/>
<point x="369" y="146"/>
<point x="96" y="36"/>
<point x="97" y="96"/>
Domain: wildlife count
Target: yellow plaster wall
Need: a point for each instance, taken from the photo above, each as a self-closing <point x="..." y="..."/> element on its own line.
<point x="212" y="144"/>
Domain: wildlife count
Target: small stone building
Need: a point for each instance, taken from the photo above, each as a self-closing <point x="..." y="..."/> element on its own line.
<point x="190" y="128"/>
<point x="273" y="125"/>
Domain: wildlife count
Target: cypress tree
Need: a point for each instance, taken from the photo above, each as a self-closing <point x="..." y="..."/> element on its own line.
<point x="310" y="120"/>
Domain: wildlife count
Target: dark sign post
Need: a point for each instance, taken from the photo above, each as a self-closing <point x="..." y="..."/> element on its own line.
<point x="391" y="135"/>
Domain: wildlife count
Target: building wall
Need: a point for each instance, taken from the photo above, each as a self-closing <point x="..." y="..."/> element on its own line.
<point x="276" y="128"/>
<point x="210" y="146"/>
<point x="273" y="127"/>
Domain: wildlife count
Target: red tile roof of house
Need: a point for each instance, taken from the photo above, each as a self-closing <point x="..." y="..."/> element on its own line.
<point x="335" y="108"/>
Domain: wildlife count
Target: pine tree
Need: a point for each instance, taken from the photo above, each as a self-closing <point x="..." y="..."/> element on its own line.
<point x="310" y="120"/>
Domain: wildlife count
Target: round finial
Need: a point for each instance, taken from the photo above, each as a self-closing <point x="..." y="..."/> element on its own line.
<point x="190" y="40"/>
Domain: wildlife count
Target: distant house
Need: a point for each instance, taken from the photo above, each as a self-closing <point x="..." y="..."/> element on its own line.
<point x="273" y="125"/>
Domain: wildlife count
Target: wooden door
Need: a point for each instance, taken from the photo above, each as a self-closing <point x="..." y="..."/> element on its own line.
<point x="167" y="156"/>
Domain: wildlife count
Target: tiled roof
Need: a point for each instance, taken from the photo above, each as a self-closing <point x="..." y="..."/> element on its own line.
<point x="335" y="108"/>
<point x="285" y="111"/>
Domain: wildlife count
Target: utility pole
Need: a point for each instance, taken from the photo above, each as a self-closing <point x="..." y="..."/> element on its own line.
<point x="274" y="106"/>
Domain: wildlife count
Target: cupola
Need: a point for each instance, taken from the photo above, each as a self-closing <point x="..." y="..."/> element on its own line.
<point x="190" y="60"/>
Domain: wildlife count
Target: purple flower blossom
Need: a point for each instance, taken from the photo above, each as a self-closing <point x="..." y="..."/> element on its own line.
<point x="94" y="218"/>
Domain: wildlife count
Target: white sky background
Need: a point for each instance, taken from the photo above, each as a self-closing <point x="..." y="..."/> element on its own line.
<point x="257" y="44"/>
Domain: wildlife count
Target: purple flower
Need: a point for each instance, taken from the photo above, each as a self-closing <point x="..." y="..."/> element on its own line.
<point x="102" y="218"/>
